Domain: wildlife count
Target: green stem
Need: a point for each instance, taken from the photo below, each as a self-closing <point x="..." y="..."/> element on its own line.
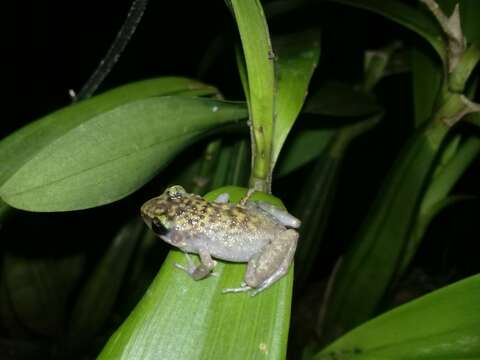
<point x="458" y="78"/>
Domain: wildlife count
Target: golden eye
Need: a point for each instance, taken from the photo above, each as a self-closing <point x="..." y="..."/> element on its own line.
<point x="175" y="191"/>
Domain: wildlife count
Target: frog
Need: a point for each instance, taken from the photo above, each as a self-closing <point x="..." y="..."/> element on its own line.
<point x="254" y="232"/>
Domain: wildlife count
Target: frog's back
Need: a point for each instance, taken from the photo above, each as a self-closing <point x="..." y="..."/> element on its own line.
<point x="230" y="232"/>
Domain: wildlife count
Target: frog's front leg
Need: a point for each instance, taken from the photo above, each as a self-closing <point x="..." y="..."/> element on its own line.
<point x="271" y="264"/>
<point x="222" y="198"/>
<point x="281" y="215"/>
<point x="203" y="269"/>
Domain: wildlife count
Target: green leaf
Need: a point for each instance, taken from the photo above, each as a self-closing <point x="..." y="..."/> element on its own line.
<point x="435" y="198"/>
<point x="94" y="304"/>
<point x="427" y="75"/>
<point x="261" y="81"/>
<point x="302" y="147"/>
<point x="440" y="325"/>
<point x="447" y="176"/>
<point x="22" y="146"/>
<point x="179" y="318"/>
<point x="408" y="16"/>
<point x="337" y="99"/>
<point x="359" y="285"/>
<point x="102" y="158"/>
<point x="470" y="24"/>
<point x="298" y="55"/>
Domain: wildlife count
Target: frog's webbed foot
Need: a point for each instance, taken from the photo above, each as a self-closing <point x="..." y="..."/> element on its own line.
<point x="273" y="263"/>
<point x="200" y="271"/>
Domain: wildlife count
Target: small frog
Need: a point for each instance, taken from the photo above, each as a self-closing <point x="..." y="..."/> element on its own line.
<point x="250" y="231"/>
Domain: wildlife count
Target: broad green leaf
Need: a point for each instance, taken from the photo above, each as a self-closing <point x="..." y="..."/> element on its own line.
<point x="359" y="285"/>
<point x="20" y="147"/>
<point x="302" y="147"/>
<point x="94" y="304"/>
<point x="441" y="325"/>
<point x="38" y="289"/>
<point x="105" y="157"/>
<point x="179" y="318"/>
<point x="298" y="55"/>
<point x="421" y="22"/>
<point x="337" y="99"/>
<point x="259" y="59"/>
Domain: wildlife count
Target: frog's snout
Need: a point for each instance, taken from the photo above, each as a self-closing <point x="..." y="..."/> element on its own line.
<point x="146" y="211"/>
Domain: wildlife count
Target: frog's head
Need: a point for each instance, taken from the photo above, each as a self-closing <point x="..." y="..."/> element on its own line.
<point x="158" y="212"/>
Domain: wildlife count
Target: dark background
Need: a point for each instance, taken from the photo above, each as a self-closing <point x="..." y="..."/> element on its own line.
<point x="54" y="46"/>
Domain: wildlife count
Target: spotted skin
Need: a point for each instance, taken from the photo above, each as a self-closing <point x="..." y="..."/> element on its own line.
<point x="246" y="232"/>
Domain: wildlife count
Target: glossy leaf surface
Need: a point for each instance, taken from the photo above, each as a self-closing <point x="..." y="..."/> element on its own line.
<point x="23" y="145"/>
<point x="298" y="55"/>
<point x="101" y="158"/>
<point x="440" y="325"/>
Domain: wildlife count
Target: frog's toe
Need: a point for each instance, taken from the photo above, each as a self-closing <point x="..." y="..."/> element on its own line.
<point x="189" y="270"/>
<point x="243" y="287"/>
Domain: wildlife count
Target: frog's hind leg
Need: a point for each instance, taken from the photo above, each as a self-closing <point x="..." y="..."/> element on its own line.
<point x="203" y="269"/>
<point x="272" y="263"/>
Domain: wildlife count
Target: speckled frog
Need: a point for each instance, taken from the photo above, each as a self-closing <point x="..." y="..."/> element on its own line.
<point x="250" y="231"/>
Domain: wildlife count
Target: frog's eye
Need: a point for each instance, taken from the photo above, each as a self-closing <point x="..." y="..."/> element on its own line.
<point x="158" y="228"/>
<point x="175" y="191"/>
